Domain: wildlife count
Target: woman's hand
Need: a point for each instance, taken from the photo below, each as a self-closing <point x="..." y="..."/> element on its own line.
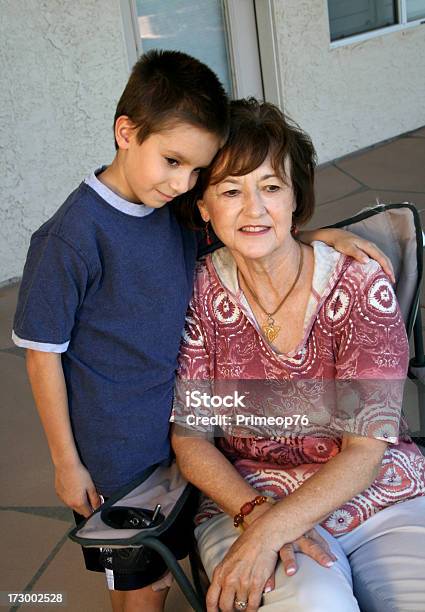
<point x="311" y="544"/>
<point x="244" y="571"/>
<point x="350" y="244"/>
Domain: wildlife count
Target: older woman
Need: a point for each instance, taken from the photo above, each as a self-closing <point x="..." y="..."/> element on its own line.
<point x="267" y="307"/>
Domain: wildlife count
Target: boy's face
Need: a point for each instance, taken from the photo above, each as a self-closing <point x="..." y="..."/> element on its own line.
<point x="165" y="165"/>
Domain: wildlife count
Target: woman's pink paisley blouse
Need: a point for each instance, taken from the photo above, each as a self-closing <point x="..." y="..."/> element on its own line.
<point x="353" y="330"/>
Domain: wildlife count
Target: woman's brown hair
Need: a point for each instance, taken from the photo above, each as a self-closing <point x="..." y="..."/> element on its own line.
<point x="258" y="129"/>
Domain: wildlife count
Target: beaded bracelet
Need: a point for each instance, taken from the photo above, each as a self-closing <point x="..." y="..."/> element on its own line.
<point x="247" y="508"/>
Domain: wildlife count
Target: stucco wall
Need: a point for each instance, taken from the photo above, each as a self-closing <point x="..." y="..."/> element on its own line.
<point x="63" y="65"/>
<point x="349" y="97"/>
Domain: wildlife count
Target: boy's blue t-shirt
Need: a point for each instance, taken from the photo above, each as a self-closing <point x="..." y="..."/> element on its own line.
<point x="106" y="284"/>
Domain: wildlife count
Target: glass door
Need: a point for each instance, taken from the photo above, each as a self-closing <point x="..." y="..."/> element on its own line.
<point x="221" y="33"/>
<point x="197" y="28"/>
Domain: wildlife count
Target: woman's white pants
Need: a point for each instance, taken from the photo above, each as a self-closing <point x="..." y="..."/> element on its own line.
<point x="380" y="566"/>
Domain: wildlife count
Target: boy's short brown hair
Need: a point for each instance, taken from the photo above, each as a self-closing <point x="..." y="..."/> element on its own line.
<point x="170" y="87"/>
<point x="258" y="129"/>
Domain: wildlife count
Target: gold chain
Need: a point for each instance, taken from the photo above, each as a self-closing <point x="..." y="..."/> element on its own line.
<point x="269" y="327"/>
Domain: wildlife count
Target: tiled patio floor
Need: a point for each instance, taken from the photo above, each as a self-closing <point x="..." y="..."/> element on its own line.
<point x="36" y="553"/>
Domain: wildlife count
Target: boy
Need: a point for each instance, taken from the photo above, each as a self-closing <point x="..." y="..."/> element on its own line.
<point x="104" y="294"/>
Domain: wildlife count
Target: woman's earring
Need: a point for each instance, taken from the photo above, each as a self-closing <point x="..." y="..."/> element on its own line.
<point x="294" y="229"/>
<point x="208" y="238"/>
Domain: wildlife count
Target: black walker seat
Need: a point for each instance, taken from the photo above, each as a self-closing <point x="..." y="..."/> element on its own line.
<point x="171" y="538"/>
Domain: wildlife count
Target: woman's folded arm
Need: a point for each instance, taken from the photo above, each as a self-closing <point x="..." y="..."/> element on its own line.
<point x="339" y="480"/>
<point x="343" y="477"/>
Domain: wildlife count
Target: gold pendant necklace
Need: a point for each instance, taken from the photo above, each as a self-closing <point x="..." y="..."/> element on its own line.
<point x="270" y="328"/>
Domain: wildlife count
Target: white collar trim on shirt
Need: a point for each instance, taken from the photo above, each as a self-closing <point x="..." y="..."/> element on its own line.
<point x="325" y="261"/>
<point x="129" y="208"/>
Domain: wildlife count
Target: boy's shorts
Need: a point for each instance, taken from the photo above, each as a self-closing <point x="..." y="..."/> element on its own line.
<point x="157" y="576"/>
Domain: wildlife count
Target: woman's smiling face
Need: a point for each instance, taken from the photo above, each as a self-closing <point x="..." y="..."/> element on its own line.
<point x="251" y="214"/>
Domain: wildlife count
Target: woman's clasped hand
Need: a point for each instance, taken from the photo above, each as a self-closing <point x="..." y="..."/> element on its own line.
<point x="249" y="567"/>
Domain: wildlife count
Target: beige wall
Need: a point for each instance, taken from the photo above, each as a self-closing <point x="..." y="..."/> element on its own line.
<point x="349" y="97"/>
<point x="63" y="65"/>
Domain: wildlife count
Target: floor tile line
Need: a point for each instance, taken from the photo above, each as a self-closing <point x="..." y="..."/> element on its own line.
<point x="30" y="507"/>
<point x="373" y="147"/>
<point x="351" y="176"/>
<point x="355" y="192"/>
<point x="364" y="190"/>
<point x="29" y="587"/>
<point x="13" y="350"/>
<point x="397" y="190"/>
<point x="59" y="513"/>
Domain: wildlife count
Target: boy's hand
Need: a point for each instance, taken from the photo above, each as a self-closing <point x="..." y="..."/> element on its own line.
<point x="362" y="250"/>
<point x="75" y="488"/>
<point x="350" y="244"/>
